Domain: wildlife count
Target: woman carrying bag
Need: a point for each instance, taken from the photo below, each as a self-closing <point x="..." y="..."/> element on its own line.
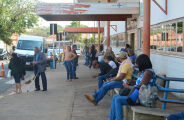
<point x="15" y="66"/>
<point x="147" y="77"/>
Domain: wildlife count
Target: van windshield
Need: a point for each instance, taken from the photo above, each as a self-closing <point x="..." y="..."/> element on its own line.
<point x="29" y="45"/>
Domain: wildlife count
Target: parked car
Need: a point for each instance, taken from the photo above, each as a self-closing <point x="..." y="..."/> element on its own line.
<point x="4" y="55"/>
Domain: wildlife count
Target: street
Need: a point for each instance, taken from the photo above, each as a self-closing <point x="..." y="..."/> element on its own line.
<point x="7" y="83"/>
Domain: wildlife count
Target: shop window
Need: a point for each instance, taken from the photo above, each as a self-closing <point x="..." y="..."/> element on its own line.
<point x="179" y="41"/>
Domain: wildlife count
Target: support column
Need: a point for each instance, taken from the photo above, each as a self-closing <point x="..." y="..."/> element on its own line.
<point x="146" y="27"/>
<point x="99" y="42"/>
<point x="108" y="30"/>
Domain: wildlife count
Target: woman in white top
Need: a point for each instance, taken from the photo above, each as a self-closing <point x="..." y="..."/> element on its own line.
<point x="110" y="61"/>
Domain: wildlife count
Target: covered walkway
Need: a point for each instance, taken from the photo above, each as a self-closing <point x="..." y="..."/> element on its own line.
<point x="63" y="101"/>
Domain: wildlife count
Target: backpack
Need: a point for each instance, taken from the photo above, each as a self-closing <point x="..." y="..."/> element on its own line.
<point x="148" y="95"/>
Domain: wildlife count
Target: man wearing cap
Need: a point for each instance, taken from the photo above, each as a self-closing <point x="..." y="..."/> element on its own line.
<point x="124" y="73"/>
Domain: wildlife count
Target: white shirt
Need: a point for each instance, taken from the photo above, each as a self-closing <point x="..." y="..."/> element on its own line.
<point x="112" y="64"/>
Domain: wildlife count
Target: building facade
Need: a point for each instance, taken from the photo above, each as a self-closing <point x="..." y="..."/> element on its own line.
<point x="166" y="37"/>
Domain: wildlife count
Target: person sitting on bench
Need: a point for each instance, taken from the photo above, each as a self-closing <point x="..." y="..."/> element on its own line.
<point x="125" y="72"/>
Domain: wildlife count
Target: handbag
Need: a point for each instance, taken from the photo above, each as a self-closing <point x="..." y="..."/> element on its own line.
<point x="124" y="92"/>
<point x="132" y="98"/>
<point x="148" y="95"/>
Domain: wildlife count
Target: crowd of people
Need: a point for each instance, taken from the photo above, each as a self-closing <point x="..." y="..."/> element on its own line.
<point x="117" y="72"/>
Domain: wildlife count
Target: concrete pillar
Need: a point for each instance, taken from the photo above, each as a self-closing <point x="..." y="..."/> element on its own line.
<point x="99" y="42"/>
<point x="146" y="27"/>
<point x="108" y="30"/>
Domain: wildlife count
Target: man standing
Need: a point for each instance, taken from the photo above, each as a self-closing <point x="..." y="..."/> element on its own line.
<point x="74" y="62"/>
<point x="39" y="63"/>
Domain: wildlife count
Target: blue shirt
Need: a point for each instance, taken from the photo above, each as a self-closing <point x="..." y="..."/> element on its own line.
<point x="37" y="56"/>
<point x="152" y="81"/>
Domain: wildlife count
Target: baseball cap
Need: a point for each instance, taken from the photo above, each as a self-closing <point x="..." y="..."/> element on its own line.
<point x="122" y="54"/>
<point x="122" y="49"/>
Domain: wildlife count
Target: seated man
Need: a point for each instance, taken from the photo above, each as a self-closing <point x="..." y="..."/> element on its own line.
<point x="104" y="68"/>
<point x="125" y="72"/>
<point x="113" y="72"/>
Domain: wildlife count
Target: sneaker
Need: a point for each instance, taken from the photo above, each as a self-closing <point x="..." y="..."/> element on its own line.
<point x="91" y="99"/>
<point x="44" y="90"/>
<point x="76" y="78"/>
<point x="37" y="90"/>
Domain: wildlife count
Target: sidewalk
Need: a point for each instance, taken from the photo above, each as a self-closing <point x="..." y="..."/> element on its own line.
<point x="63" y="101"/>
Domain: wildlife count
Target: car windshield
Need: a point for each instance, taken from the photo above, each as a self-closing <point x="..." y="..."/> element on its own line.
<point x="29" y="45"/>
<point x="1" y="51"/>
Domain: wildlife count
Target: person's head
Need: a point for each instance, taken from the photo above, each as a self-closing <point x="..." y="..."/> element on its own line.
<point x="68" y="48"/>
<point x="93" y="47"/>
<point x="14" y="55"/>
<point x="108" y="59"/>
<point x="130" y="52"/>
<point x="74" y="47"/>
<point x="95" y="64"/>
<point x="101" y="48"/>
<point x="109" y="49"/>
<point x="36" y="50"/>
<point x="127" y="46"/>
<point x="143" y="62"/>
<point x="122" y="56"/>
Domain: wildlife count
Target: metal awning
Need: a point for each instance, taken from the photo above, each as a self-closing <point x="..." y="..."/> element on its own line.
<point x="83" y="30"/>
<point x="87" y="11"/>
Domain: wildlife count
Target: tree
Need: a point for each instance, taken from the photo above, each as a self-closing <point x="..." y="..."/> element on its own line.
<point x="15" y="17"/>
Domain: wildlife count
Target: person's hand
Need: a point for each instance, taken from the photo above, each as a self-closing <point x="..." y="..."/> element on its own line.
<point x="94" y="76"/>
<point x="111" y="80"/>
<point x="125" y="85"/>
<point x="34" y="63"/>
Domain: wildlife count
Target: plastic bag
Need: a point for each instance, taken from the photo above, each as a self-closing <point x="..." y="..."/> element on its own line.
<point x="148" y="95"/>
<point x="9" y="74"/>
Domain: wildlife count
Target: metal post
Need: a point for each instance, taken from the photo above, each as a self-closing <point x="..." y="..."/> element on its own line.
<point x="59" y="46"/>
<point x="108" y="30"/>
<point x="146" y="27"/>
<point x="99" y="42"/>
<point x="53" y="47"/>
<point x="165" y="95"/>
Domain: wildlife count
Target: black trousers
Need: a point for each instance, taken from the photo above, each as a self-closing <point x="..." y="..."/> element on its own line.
<point x="44" y="80"/>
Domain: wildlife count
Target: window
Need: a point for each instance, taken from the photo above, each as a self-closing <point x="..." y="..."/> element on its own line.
<point x="166" y="37"/>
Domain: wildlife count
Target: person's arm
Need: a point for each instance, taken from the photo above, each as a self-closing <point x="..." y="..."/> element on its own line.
<point x="73" y="55"/>
<point x="10" y="64"/>
<point x="120" y="77"/>
<point x="147" y="77"/>
<point x="145" y="80"/>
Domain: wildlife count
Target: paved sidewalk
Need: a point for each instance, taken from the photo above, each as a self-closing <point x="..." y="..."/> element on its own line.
<point x="63" y="101"/>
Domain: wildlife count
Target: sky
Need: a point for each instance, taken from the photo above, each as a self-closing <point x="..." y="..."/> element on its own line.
<point x="62" y="23"/>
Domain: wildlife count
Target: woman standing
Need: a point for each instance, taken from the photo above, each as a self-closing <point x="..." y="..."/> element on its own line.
<point x="15" y="66"/>
<point x="147" y="77"/>
<point x="93" y="52"/>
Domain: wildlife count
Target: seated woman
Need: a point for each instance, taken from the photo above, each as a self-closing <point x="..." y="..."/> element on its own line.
<point x="147" y="77"/>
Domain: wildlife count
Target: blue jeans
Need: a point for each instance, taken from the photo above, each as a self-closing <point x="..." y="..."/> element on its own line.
<point x="87" y="60"/>
<point x="178" y="116"/>
<point x="105" y="88"/>
<point x="116" y="112"/>
<point x="74" y="66"/>
<point x="100" y="80"/>
<point x="44" y="79"/>
<point x="68" y="66"/>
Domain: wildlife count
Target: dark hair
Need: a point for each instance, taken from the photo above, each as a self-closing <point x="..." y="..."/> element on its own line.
<point x="101" y="47"/>
<point x="127" y="46"/>
<point x="110" y="58"/>
<point x="74" y="46"/>
<point x="143" y="62"/>
<point x="14" y="55"/>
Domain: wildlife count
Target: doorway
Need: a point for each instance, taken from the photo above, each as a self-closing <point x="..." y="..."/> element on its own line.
<point x="132" y="40"/>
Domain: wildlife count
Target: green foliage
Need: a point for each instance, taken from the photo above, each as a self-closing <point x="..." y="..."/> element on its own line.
<point x="15" y="17"/>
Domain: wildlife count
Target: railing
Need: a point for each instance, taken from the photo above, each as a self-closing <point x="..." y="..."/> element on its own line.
<point x="165" y="89"/>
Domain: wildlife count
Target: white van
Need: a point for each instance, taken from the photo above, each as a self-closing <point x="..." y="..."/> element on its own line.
<point x="25" y="47"/>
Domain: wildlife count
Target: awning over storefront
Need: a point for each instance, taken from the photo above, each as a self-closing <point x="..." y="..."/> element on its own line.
<point x="83" y="30"/>
<point x="87" y="11"/>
